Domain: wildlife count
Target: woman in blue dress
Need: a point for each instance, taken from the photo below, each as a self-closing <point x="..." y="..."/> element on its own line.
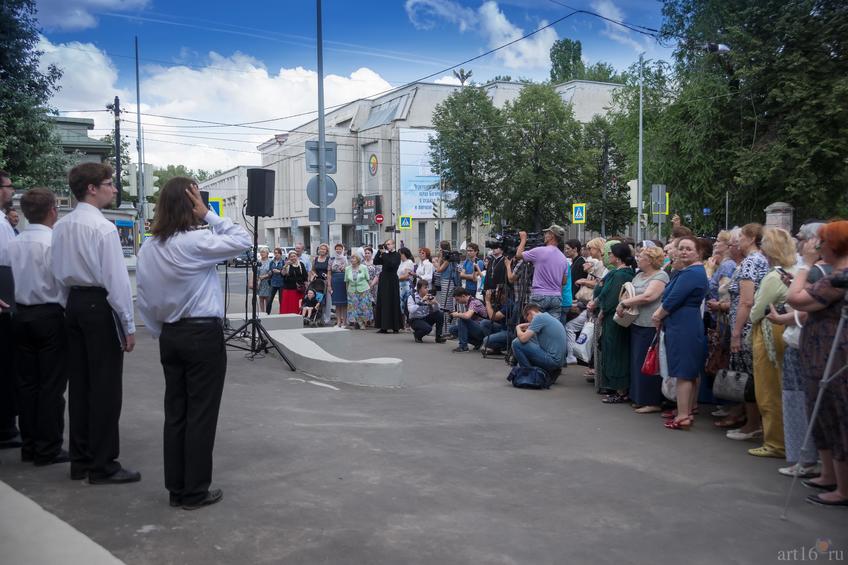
<point x="682" y="321"/>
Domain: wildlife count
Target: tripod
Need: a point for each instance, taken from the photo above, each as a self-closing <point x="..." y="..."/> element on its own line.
<point x="260" y="340"/>
<point x="828" y="376"/>
<point x="522" y="296"/>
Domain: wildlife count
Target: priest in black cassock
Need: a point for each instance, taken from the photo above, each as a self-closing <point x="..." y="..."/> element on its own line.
<point x="387" y="315"/>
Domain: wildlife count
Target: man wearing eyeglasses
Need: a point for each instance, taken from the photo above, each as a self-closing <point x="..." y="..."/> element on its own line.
<point x="9" y="437"/>
<point x="88" y="260"/>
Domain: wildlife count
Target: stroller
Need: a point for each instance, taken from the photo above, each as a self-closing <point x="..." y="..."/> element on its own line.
<point x="317" y="286"/>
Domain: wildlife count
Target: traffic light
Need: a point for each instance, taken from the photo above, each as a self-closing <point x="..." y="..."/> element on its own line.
<point x="132" y="183"/>
<point x="150" y="180"/>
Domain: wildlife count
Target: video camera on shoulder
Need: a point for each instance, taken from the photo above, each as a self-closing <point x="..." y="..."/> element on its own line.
<point x="508" y="240"/>
<point x="452" y="256"/>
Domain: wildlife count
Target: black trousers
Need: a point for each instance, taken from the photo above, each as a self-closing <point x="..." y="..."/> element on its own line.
<point x="95" y="383"/>
<point x="423" y="326"/>
<point x="40" y="364"/>
<point x="275" y="291"/>
<point x="195" y="362"/>
<point x="8" y="406"/>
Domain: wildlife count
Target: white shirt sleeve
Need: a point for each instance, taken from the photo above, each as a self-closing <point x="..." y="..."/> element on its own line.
<point x="116" y="279"/>
<point x="411" y="305"/>
<point x="225" y="242"/>
<point x="425" y="271"/>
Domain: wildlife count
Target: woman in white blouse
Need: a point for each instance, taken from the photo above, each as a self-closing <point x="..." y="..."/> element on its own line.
<point x="425" y="268"/>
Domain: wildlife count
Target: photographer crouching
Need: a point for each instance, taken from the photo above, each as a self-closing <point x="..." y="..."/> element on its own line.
<point x="540" y="342"/>
<point x="424" y="313"/>
<point x="550" y="269"/>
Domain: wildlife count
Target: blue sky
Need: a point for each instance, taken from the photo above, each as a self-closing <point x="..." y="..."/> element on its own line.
<point x="212" y="59"/>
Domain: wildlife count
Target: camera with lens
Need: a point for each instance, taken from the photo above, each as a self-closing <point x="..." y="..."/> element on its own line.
<point x="509" y="239"/>
<point x="451" y="256"/>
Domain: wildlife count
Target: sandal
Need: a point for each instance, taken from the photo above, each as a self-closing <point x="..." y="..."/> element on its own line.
<point x="615" y="398"/>
<point x="669" y="414"/>
<point x="589" y="373"/>
<point x="731" y="423"/>
<point x="682" y="424"/>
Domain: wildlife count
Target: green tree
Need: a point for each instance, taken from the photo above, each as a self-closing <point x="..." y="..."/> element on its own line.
<point x="464" y="150"/>
<point x="767" y="121"/>
<point x="566" y="60"/>
<point x="601" y="72"/>
<point x="29" y="146"/>
<point x="541" y="159"/>
<point x="462" y="76"/>
<point x="125" y="164"/>
<point x="603" y="188"/>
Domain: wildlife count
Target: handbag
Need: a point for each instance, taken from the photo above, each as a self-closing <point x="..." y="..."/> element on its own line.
<point x="529" y="377"/>
<point x="733" y="385"/>
<point x="792" y="334"/>
<point x="583" y="343"/>
<point x="718" y="347"/>
<point x="585" y="294"/>
<point x="651" y="364"/>
<point x="630" y="314"/>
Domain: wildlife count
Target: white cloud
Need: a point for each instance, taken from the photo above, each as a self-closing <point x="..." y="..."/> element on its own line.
<point x="448" y="79"/>
<point x="532" y="52"/>
<point x="79" y="14"/>
<point x="423" y="13"/>
<point x="617" y="33"/>
<point x="231" y="89"/>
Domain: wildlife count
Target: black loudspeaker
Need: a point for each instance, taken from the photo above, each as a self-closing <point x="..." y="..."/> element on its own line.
<point x="260" y="192"/>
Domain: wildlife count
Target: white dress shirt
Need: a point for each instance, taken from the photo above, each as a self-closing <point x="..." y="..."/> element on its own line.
<point x="177" y="278"/>
<point x="425" y="271"/>
<point x="7" y="232"/>
<point x="29" y="256"/>
<point x="87" y="251"/>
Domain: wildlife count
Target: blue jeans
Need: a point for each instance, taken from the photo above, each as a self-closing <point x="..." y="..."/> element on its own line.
<point x="530" y="354"/>
<point x="550" y="304"/>
<point x="496" y="341"/>
<point x="467" y="331"/>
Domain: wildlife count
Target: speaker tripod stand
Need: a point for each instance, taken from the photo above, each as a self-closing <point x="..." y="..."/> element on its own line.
<point x="260" y="339"/>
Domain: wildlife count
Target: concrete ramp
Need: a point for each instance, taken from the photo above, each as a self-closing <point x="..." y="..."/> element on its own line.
<point x="270" y="322"/>
<point x="328" y="354"/>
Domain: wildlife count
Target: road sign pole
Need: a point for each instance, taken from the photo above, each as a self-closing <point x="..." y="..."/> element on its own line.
<point x="322" y="165"/>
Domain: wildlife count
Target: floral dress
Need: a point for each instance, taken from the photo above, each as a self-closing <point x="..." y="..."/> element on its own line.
<point x="264" y="284"/>
<point x="753" y="268"/>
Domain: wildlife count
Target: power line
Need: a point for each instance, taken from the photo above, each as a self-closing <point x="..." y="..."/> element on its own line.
<point x="651" y="32"/>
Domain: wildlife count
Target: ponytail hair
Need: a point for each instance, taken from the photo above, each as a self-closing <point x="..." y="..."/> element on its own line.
<point x="623" y="252"/>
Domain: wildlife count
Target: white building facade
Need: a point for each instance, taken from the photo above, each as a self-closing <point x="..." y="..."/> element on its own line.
<point x="382" y="154"/>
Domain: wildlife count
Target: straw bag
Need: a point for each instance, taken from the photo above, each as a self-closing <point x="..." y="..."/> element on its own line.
<point x="631" y="313"/>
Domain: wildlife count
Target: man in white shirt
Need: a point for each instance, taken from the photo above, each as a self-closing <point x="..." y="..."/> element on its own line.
<point x="39" y="329"/>
<point x="88" y="261"/>
<point x="9" y="438"/>
<point x="181" y="302"/>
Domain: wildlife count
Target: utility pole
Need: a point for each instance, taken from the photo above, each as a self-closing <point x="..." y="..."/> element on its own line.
<point x="639" y="183"/>
<point x="142" y="200"/>
<point x="322" y="165"/>
<point x="116" y="109"/>
<point x="605" y="171"/>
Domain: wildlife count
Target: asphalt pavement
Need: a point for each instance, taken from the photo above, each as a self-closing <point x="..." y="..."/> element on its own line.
<point x="457" y="467"/>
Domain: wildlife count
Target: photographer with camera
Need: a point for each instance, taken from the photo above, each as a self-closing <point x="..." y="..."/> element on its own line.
<point x="495" y="266"/>
<point x="446" y="277"/>
<point x="424" y="313"/>
<point x="467" y="327"/>
<point x="550" y="269"/>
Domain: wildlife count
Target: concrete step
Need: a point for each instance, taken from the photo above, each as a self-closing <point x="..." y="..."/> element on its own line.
<point x="327" y="354"/>
<point x="269" y="321"/>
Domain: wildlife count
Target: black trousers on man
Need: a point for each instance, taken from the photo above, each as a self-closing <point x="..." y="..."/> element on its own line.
<point x="40" y="364"/>
<point x="8" y="405"/>
<point x="194" y="360"/>
<point x="423" y="326"/>
<point x="95" y="383"/>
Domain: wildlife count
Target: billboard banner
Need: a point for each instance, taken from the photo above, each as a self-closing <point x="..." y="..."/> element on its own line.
<point x="419" y="187"/>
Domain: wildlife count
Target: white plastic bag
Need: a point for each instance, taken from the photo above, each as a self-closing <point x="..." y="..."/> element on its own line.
<point x="669" y="384"/>
<point x="583" y="343"/>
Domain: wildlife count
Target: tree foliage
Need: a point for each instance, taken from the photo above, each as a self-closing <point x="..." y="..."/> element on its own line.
<point x="541" y="161"/>
<point x="604" y="188"/>
<point x="29" y="146"/>
<point x="765" y="122"/>
<point x="567" y="64"/>
<point x="465" y="149"/>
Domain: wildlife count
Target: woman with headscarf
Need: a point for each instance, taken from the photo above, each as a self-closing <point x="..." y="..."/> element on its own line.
<point x="614" y="344"/>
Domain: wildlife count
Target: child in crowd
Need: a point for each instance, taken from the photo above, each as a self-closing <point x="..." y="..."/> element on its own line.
<point x="308" y="304"/>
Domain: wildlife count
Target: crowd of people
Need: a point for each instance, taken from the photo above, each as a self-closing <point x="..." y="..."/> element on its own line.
<point x="753" y="305"/>
<point x="746" y="322"/>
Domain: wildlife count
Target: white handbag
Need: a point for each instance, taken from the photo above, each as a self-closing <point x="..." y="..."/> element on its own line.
<point x="583" y="343"/>
<point x="630" y="314"/>
<point x="792" y="334"/>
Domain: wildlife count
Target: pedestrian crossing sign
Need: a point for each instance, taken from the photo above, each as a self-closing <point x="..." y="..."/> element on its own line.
<point x="405" y="223"/>
<point x="578" y="213"/>
<point x="217" y="206"/>
<point x="487" y="218"/>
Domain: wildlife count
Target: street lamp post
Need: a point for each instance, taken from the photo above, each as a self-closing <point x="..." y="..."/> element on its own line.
<point x="639" y="181"/>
